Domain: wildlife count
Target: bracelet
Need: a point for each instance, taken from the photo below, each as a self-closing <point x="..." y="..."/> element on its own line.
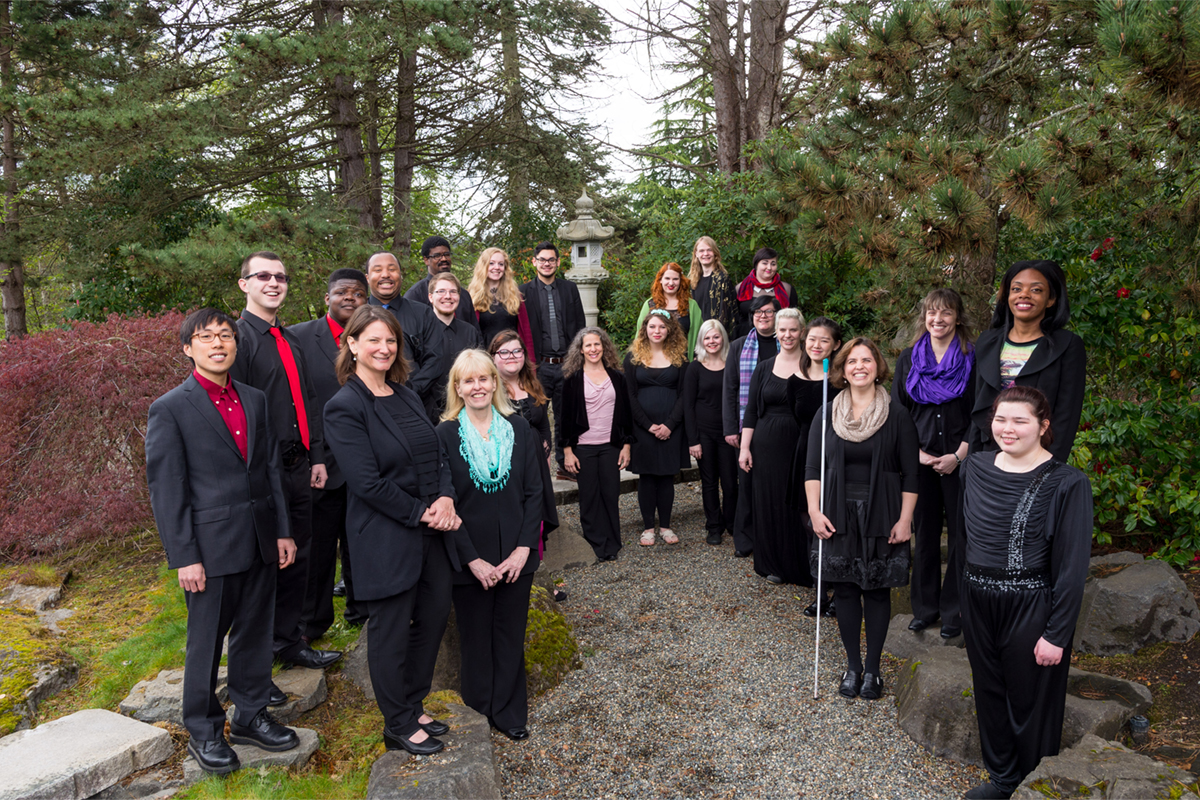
<point x="956" y="458"/>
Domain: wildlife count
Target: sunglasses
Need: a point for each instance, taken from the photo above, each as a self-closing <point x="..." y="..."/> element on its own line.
<point x="265" y="276"/>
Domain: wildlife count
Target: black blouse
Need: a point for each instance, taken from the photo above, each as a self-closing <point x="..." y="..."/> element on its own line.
<point x="424" y="443"/>
<point x="941" y="427"/>
<point x="702" y="401"/>
<point x="495" y="320"/>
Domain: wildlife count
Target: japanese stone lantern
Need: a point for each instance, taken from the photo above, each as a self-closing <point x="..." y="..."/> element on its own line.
<point x="587" y="237"/>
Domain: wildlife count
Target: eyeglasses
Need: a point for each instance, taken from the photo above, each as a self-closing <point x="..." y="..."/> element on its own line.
<point x="445" y="292"/>
<point x="765" y="312"/>
<point x="207" y="336"/>
<point x="551" y="260"/>
<point x="507" y="354"/>
<point x="438" y="256"/>
<point x="265" y="277"/>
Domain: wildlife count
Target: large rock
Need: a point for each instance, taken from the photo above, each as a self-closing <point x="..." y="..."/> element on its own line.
<point x="567" y="549"/>
<point x="32" y="668"/>
<point x="78" y="755"/>
<point x="465" y="769"/>
<point x="1129" y="603"/>
<point x="1095" y="769"/>
<point x="252" y="756"/>
<point x="906" y="644"/>
<point x="160" y="699"/>
<point x="305" y="689"/>
<point x="936" y="705"/>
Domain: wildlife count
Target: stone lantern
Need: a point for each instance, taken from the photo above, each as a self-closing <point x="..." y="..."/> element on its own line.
<point x="587" y="237"/>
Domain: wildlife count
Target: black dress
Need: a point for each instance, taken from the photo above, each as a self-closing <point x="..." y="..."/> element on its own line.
<point x="656" y="398"/>
<point x="806" y="403"/>
<point x="780" y="547"/>
<point x="718" y="461"/>
<point x="539" y="419"/>
<point x="495" y="320"/>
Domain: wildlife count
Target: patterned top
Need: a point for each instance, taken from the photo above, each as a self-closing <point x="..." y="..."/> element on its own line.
<point x="1013" y="358"/>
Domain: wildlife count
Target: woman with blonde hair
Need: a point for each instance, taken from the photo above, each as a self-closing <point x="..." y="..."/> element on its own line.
<point x="494" y="459"/>
<point x="703" y="424"/>
<point x="711" y="285"/>
<point x="671" y="292"/>
<point x="654" y="370"/>
<point x="499" y="304"/>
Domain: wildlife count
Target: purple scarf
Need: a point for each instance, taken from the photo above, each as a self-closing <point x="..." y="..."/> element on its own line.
<point x="931" y="383"/>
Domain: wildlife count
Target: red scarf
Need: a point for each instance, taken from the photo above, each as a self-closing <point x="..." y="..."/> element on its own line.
<point x="746" y="288"/>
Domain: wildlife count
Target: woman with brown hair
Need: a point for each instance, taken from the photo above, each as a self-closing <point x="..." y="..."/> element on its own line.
<point x="711" y="285"/>
<point x="671" y="292"/>
<point x="654" y="372"/>
<point x="763" y="279"/>
<point x="499" y="304"/>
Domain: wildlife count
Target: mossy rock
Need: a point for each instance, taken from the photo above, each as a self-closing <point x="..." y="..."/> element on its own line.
<point x="550" y="648"/>
<point x="29" y="656"/>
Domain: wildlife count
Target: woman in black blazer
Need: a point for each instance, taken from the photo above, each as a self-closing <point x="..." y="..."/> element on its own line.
<point x="597" y="430"/>
<point x="399" y="522"/>
<point x="1027" y="345"/>
<point x="496" y="464"/>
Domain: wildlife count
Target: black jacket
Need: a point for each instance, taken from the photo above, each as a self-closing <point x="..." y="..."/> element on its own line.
<point x="383" y="514"/>
<point x="320" y="352"/>
<point x="1057" y="366"/>
<point x="573" y="319"/>
<point x="575" y="419"/>
<point x="730" y="417"/>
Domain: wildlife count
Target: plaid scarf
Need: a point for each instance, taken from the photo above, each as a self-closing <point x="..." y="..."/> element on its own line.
<point x="747" y="361"/>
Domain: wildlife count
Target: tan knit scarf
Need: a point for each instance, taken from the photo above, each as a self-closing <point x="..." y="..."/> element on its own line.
<point x="863" y="428"/>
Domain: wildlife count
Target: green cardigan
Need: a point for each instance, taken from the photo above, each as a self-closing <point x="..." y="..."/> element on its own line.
<point x="694" y="323"/>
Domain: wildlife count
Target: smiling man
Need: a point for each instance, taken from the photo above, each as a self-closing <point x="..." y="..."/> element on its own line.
<point x="435" y="251"/>
<point x="444" y="293"/>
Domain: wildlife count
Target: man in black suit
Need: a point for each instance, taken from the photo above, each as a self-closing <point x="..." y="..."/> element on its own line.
<point x="435" y="251"/>
<point x="320" y="340"/>
<point x="271" y="360"/>
<point x="444" y="293"/>
<point x="212" y="464"/>
<point x="555" y="317"/>
<point x="423" y="336"/>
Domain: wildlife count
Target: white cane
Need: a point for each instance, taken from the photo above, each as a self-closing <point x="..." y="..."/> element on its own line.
<point x="821" y="508"/>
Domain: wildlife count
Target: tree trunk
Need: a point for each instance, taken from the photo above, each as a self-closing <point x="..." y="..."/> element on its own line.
<point x="768" y="28"/>
<point x="376" y="193"/>
<point x="727" y="98"/>
<point x="404" y="157"/>
<point x="514" y="107"/>
<point x="12" y="268"/>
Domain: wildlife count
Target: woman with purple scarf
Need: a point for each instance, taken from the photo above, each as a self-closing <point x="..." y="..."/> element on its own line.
<point x="935" y="381"/>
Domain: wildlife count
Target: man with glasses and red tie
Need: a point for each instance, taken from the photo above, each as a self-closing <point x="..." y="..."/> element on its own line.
<point x="271" y="360"/>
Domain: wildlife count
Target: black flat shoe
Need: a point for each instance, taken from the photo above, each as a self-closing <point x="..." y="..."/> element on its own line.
<point x="850" y="685"/>
<point x="339" y="589"/>
<point x="517" y="734"/>
<point x="949" y="631"/>
<point x="276" y="697"/>
<point x="811" y="611"/>
<point x="919" y="624"/>
<point x="987" y="791"/>
<point x="263" y="731"/>
<point x="713" y="538"/>
<point x="742" y="553"/>
<point x="435" y="728"/>
<point x="214" y="755"/>
<point x="775" y="579"/>
<point x="830" y="609"/>
<point x="425" y="748"/>
<point x="560" y="595"/>
<point x="313" y="659"/>
<point x="872" y="687"/>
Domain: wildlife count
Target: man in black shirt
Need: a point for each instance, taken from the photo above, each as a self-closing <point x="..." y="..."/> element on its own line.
<point x="423" y="337"/>
<point x="763" y="311"/>
<point x="555" y="317"/>
<point x="436" y="252"/>
<point x="271" y="360"/>
<point x="444" y="291"/>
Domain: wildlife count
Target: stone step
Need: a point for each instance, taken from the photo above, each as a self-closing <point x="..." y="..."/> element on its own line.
<point x="78" y="755"/>
<point x="160" y="699"/>
<point x="1098" y="768"/>
<point x="306" y="689"/>
<point x="252" y="756"/>
<point x="465" y="769"/>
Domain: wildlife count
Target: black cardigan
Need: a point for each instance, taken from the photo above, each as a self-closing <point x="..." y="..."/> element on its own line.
<point x="575" y="420"/>
<point x="941" y="427"/>
<point x="1057" y="366"/>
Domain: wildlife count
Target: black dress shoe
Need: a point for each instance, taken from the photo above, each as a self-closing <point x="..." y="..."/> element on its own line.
<point x="950" y="631"/>
<point x="742" y="553"/>
<point x="214" y="755"/>
<point x="851" y="683"/>
<point x="339" y="589"/>
<point x="918" y="624"/>
<point x="829" y="609"/>
<point x="277" y="697"/>
<point x="313" y="659"/>
<point x="517" y="734"/>
<point x="713" y="538"/>
<point x="264" y="732"/>
<point x="872" y="687"/>
<point x="987" y="791"/>
<point x="435" y="728"/>
<point x="775" y="579"/>
<point x="426" y="748"/>
<point x="811" y="611"/>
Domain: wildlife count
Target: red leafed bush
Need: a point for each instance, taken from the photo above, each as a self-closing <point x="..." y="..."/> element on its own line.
<point x="73" y="406"/>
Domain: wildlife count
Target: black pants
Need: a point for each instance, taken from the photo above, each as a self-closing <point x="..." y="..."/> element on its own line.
<point x="1020" y="705"/>
<point x="718" y="468"/>
<point x="552" y="381"/>
<point x="599" y="492"/>
<point x="939" y="497"/>
<point x="328" y="528"/>
<point x="491" y="631"/>
<point x="853" y="604"/>
<point x="743" y="518"/>
<point x="656" y="493"/>
<point x="356" y="610"/>
<point x="291" y="583"/>
<point x="403" y="635"/>
<point x="241" y="605"/>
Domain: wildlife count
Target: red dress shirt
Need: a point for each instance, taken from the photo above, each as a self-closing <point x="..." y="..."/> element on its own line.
<point x="336" y="330"/>
<point x="229" y="406"/>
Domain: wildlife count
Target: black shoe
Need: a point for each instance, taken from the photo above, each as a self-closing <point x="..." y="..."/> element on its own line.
<point x="435" y="728"/>
<point x="987" y="791"/>
<point x="339" y="589"/>
<point x="425" y="748"/>
<point x="918" y="624"/>
<point x="742" y="553"/>
<point x="851" y="683"/>
<point x="829" y="609"/>
<point x="517" y="734"/>
<point x="811" y="611"/>
<point x="313" y="659"/>
<point x="950" y="631"/>
<point x="214" y="755"/>
<point x="872" y="687"/>
<point x="713" y="538"/>
<point x="775" y="579"/>
<point x="560" y="595"/>
<point x="277" y="697"/>
<point x="264" y="732"/>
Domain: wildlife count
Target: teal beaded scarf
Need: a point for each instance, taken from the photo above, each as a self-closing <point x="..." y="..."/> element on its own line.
<point x="489" y="461"/>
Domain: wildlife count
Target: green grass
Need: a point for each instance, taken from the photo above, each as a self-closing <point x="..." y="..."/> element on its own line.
<point x="276" y="782"/>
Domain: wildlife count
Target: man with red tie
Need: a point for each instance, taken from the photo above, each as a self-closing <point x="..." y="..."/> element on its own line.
<point x="270" y="359"/>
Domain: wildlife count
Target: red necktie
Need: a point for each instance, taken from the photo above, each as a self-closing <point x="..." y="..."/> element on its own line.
<point x="293" y="376"/>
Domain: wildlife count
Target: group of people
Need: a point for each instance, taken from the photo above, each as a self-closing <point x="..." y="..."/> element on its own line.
<point x="386" y="430"/>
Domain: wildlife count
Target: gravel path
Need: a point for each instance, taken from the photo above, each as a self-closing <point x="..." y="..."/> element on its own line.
<point x="697" y="682"/>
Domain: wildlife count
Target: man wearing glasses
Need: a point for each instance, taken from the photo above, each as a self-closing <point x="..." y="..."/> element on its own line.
<point x="272" y="361"/>
<point x="444" y="294"/>
<point x="436" y="253"/>
<point x="555" y="316"/>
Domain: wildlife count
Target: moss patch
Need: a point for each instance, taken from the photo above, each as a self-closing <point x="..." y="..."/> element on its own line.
<point x="24" y="646"/>
<point x="550" y="648"/>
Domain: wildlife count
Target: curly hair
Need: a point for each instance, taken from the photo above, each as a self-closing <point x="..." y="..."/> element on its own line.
<point x="949" y="300"/>
<point x="697" y="271"/>
<point x="527" y="378"/>
<point x="573" y="362"/>
<point x="658" y="295"/>
<point x="507" y="292"/>
<point x="674" y="347"/>
<point x="837" y="373"/>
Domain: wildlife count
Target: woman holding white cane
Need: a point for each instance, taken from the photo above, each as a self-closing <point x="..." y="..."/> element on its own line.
<point x="870" y="493"/>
